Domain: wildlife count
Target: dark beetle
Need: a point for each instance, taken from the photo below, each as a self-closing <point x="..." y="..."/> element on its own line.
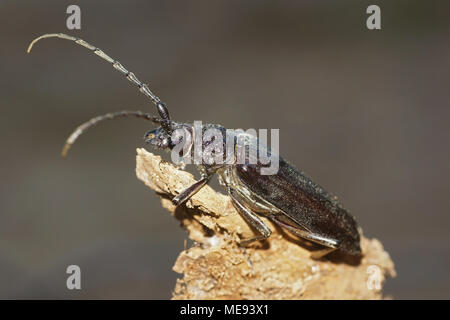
<point x="288" y="198"/>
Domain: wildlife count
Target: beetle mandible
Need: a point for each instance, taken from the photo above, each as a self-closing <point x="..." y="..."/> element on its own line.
<point x="289" y="198"/>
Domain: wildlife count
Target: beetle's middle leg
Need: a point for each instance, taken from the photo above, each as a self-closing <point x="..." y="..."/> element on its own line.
<point x="251" y="218"/>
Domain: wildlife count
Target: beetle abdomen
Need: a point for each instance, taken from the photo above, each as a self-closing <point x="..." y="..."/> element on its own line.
<point x="303" y="201"/>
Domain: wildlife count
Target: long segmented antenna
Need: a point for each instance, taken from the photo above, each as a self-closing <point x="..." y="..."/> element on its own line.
<point x="108" y="116"/>
<point x="162" y="109"/>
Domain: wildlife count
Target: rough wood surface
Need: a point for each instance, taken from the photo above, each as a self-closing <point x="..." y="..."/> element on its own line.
<point x="216" y="267"/>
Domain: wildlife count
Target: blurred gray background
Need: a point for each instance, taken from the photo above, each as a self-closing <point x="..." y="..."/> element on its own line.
<point x="365" y="113"/>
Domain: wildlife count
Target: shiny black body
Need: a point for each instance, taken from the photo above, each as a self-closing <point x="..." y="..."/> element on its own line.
<point x="304" y="205"/>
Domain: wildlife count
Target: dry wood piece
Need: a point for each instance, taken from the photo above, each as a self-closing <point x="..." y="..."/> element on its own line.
<point x="216" y="267"/>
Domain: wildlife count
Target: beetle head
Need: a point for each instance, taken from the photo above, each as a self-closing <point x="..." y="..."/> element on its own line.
<point x="180" y="136"/>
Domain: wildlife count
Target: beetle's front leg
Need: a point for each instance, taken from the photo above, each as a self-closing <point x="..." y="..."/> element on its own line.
<point x="251" y="218"/>
<point x="187" y="193"/>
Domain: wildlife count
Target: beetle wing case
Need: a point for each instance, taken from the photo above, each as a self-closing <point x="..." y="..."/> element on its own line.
<point x="304" y="202"/>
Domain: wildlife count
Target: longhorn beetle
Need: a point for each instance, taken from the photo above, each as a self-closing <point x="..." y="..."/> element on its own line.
<point x="289" y="198"/>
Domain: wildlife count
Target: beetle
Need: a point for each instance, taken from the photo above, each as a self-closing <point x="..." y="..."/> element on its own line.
<point x="289" y="197"/>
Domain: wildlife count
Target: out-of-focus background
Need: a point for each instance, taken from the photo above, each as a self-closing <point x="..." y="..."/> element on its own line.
<point x="365" y="113"/>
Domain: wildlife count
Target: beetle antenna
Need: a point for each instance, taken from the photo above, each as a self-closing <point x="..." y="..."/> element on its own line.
<point x="108" y="116"/>
<point x="161" y="107"/>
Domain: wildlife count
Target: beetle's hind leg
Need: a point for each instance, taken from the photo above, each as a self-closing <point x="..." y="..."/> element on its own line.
<point x="251" y="218"/>
<point x="329" y="244"/>
<point x="316" y="255"/>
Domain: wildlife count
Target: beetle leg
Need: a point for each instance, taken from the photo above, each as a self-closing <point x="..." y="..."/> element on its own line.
<point x="330" y="244"/>
<point x="251" y="218"/>
<point x="190" y="191"/>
